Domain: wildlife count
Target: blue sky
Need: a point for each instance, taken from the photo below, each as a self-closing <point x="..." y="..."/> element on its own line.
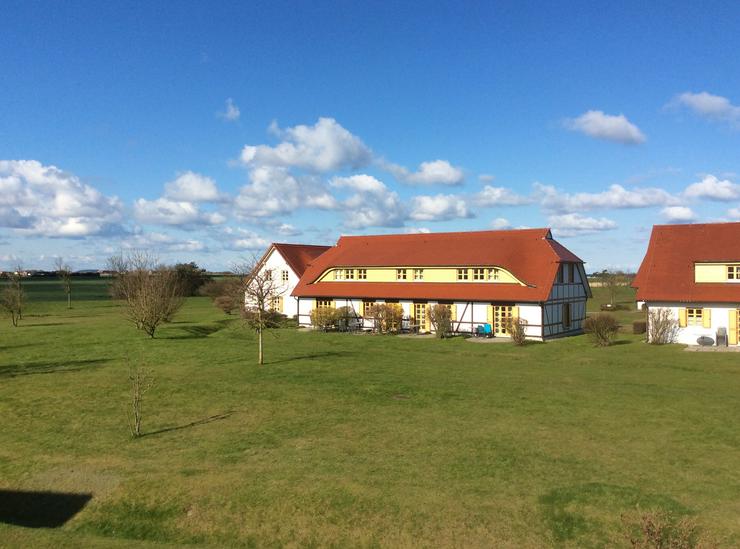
<point x="204" y="132"/>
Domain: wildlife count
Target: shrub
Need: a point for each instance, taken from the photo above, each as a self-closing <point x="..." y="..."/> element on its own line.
<point x="191" y="277"/>
<point x="441" y="318"/>
<point x="346" y="318"/>
<point x="387" y="317"/>
<point x="601" y="328"/>
<point x="639" y="327"/>
<point x="219" y="287"/>
<point x="517" y="329"/>
<point x="662" y="327"/>
<point x="661" y="530"/>
<point x="324" y="318"/>
<point x="226" y="303"/>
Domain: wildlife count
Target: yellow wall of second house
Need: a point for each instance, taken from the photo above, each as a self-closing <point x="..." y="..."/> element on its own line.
<point x="710" y="272"/>
<point x="430" y="274"/>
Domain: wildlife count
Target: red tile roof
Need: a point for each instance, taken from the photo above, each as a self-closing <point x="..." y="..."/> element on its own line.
<point x="299" y="256"/>
<point x="529" y="254"/>
<point x="667" y="271"/>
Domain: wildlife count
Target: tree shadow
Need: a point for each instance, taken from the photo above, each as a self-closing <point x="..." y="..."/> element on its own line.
<point x="32" y="368"/>
<point x="327" y="354"/>
<point x="40" y="509"/>
<point x="40" y="324"/>
<point x="211" y="419"/>
<point x="199" y="331"/>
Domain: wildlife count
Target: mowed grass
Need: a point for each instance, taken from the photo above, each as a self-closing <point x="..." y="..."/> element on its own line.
<point x="358" y="440"/>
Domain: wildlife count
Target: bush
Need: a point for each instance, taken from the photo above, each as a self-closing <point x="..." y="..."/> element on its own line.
<point x="661" y="530"/>
<point x="440" y="316"/>
<point x="191" y="277"/>
<point x="324" y="318"/>
<point x="386" y="317"/>
<point x="346" y="318"/>
<point x="662" y="328"/>
<point x="219" y="287"/>
<point x="601" y="328"/>
<point x="517" y="329"/>
<point x="226" y="303"/>
<point x="639" y="327"/>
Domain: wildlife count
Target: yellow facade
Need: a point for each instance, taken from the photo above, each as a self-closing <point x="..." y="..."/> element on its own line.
<point x="428" y="274"/>
<point x="711" y="272"/>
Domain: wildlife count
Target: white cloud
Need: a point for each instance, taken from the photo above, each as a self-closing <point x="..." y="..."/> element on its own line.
<point x="231" y="111"/>
<point x="734" y="213"/>
<point x="574" y="224"/>
<point x="712" y="107"/>
<point x="440" y="207"/>
<point x="500" y="196"/>
<point x="164" y="211"/>
<point x="275" y="191"/>
<point x="500" y="223"/>
<point x="416" y="230"/>
<point x="162" y="242"/>
<point x="436" y="172"/>
<point x="286" y="229"/>
<point x="678" y="214"/>
<point x="713" y="188"/>
<point x="615" y="197"/>
<point x="608" y="127"/>
<point x="325" y="146"/>
<point x="242" y="239"/>
<point x="43" y="200"/>
<point x="360" y="183"/>
<point x="192" y="187"/>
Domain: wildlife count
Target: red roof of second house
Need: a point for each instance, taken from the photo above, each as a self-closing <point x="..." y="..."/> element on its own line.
<point x="667" y="271"/>
<point x="299" y="256"/>
<point x="529" y="254"/>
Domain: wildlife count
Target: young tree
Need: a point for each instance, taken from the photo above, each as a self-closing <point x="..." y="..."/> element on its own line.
<point x="152" y="292"/>
<point x="258" y="288"/>
<point x="613" y="280"/>
<point x="140" y="380"/>
<point x="440" y="317"/>
<point x="64" y="272"/>
<point x="191" y="277"/>
<point x="12" y="297"/>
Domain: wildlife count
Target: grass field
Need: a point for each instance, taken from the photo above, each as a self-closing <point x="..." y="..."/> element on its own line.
<point x="358" y="440"/>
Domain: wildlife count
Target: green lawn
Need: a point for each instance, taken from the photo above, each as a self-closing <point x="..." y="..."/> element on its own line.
<point x="358" y="440"/>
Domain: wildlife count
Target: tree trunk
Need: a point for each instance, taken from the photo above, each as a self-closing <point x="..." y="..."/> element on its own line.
<point x="261" y="356"/>
<point x="69" y="300"/>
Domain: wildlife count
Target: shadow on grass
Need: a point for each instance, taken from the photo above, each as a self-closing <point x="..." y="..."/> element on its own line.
<point x="40" y="324"/>
<point x="40" y="509"/>
<point x="204" y="421"/>
<point x="199" y="331"/>
<point x="31" y="368"/>
<point x="327" y="354"/>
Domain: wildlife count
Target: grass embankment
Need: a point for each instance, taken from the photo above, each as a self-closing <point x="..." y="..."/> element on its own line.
<point x="353" y="440"/>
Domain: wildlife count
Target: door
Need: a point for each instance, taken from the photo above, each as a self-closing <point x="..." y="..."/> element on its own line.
<point x="502" y="315"/>
<point x="421" y="319"/>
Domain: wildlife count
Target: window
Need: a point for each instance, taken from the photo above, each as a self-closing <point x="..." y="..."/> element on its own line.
<point x="339" y="274"/>
<point x="324" y="304"/>
<point x="493" y="274"/>
<point x="276" y="304"/>
<point x="571" y="273"/>
<point x="268" y="274"/>
<point x="361" y="274"/>
<point x="566" y="315"/>
<point x="733" y="272"/>
<point x="349" y="274"/>
<point x="479" y="274"/>
<point x="694" y="317"/>
<point x="462" y="274"/>
<point x="560" y="274"/>
<point x="285" y="276"/>
<point x="400" y="274"/>
<point x="418" y="274"/>
<point x="367" y="307"/>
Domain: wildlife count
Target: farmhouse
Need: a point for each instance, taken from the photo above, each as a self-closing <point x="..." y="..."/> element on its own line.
<point x="486" y="277"/>
<point x="694" y="272"/>
<point x="287" y="263"/>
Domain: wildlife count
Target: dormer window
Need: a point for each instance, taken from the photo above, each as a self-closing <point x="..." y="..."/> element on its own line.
<point x="400" y="274"/>
<point x="349" y="274"/>
<point x="339" y="274"/>
<point x="733" y="272"/>
<point x="361" y="274"/>
<point x="493" y="274"/>
<point x="479" y="274"/>
<point x="418" y="274"/>
<point x="462" y="274"/>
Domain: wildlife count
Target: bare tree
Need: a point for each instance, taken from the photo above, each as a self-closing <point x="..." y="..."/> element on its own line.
<point x="258" y="288"/>
<point x="12" y="297"/>
<point x="613" y="280"/>
<point x="152" y="292"/>
<point x="141" y="380"/>
<point x="662" y="328"/>
<point x="64" y="272"/>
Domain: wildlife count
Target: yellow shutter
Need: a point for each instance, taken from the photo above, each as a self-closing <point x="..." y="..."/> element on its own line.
<point x="489" y="315"/>
<point x="514" y="312"/>
<point x="313" y="304"/>
<point x="732" y="327"/>
<point x="427" y="319"/>
<point x="706" y="318"/>
<point x="682" y="317"/>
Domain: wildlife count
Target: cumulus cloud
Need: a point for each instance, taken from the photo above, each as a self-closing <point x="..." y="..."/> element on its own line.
<point x="500" y="196"/>
<point x="192" y="187"/>
<point x="373" y="204"/>
<point x="164" y="211"/>
<point x="416" y="230"/>
<point x="275" y="191"/>
<point x="231" y="112"/>
<point x="325" y="146"/>
<point x="500" y="223"/>
<point x="162" y="242"/>
<point x="574" y="224"/>
<point x="43" y="200"/>
<point x="441" y="207"/>
<point x="706" y="105"/>
<point x="713" y="188"/>
<point x="244" y="240"/>
<point x="608" y="127"/>
<point x="615" y="197"/>
<point x="678" y="214"/>
<point x="436" y="172"/>
<point x="286" y="229"/>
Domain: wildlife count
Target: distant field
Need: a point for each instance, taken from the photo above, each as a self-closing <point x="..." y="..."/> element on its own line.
<point x="50" y="289"/>
<point x="358" y="440"/>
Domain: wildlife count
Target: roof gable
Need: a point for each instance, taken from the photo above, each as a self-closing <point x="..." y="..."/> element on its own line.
<point x="297" y="256"/>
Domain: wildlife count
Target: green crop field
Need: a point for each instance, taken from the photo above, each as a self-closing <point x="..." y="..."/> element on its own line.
<point x="356" y="440"/>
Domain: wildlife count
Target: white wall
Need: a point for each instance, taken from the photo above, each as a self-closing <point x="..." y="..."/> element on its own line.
<point x="720" y="315"/>
<point x="277" y="264"/>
